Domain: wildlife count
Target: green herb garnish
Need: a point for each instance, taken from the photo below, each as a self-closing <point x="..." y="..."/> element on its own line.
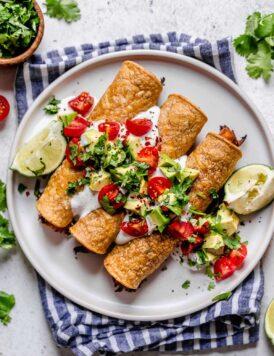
<point x="63" y="9"/>
<point x="52" y="106"/>
<point x="222" y="296"/>
<point x="106" y="205"/>
<point x="73" y="186"/>
<point x="7" y="302"/>
<point x="7" y="237"/>
<point x="67" y="118"/>
<point x="21" y="188"/>
<point x="19" y="24"/>
<point x="186" y="284"/>
<point x="257" y="45"/>
<point x="213" y="193"/>
<point x="3" y="202"/>
<point x="211" y="286"/>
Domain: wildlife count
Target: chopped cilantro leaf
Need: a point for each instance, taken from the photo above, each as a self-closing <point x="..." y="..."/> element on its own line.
<point x="106" y="205"/>
<point x="67" y="118"/>
<point x="186" y="284"/>
<point x="63" y="9"/>
<point x="213" y="193"/>
<point x="211" y="285"/>
<point x="52" y="106"/>
<point x="222" y="296"/>
<point x="3" y="202"/>
<point x="21" y="188"/>
<point x="73" y="186"/>
<point x="7" y="302"/>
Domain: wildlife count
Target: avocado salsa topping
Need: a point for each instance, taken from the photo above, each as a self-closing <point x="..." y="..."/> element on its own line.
<point x="126" y="173"/>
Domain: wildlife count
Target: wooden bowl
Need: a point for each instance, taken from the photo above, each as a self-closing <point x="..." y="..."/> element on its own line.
<point x="29" y="51"/>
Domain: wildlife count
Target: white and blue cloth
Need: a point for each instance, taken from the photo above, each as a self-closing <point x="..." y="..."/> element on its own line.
<point x="226" y="323"/>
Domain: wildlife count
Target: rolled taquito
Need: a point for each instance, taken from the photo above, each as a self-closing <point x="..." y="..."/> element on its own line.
<point x="215" y="158"/>
<point x="177" y="115"/>
<point x="133" y="90"/>
<point x="179" y="124"/>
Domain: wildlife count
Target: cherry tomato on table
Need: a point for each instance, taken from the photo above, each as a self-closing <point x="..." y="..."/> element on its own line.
<point x="139" y="127"/>
<point x="76" y="128"/>
<point x="111" y="128"/>
<point x="82" y="103"/>
<point x="111" y="198"/>
<point x="149" y="155"/>
<point x="4" y="108"/>
<point x="136" y="227"/>
<point x="157" y="186"/>
<point x="73" y="150"/>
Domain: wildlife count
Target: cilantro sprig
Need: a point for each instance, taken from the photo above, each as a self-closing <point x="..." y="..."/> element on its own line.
<point x="52" y="106"/>
<point x="7" y="302"/>
<point x="63" y="9"/>
<point x="7" y="237"/>
<point x="257" y="45"/>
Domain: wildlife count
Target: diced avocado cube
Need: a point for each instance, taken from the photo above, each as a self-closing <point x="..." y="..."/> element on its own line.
<point x="158" y="218"/>
<point x="166" y="161"/>
<point x="214" y="243"/>
<point x="119" y="172"/>
<point x="229" y="221"/>
<point x="90" y="137"/>
<point x="169" y="200"/>
<point x="189" y="173"/>
<point x="169" y="172"/>
<point x="143" y="187"/>
<point x="134" y="146"/>
<point x="210" y="257"/>
<point x="98" y="180"/>
<point x="135" y="205"/>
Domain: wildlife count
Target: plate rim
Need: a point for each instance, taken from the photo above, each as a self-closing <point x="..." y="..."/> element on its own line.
<point x="131" y="55"/>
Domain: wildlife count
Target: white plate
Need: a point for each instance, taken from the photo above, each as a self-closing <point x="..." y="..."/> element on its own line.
<point x="84" y="279"/>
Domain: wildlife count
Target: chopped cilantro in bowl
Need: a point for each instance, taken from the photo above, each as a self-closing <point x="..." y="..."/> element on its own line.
<point x="19" y="23"/>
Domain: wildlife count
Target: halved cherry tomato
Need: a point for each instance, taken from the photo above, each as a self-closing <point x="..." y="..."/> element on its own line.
<point x="149" y="155"/>
<point x="76" y="128"/>
<point x="82" y="103"/>
<point x="202" y="229"/>
<point x="111" y="128"/>
<point x="4" y="108"/>
<point x="139" y="127"/>
<point x="73" y="150"/>
<point x="187" y="247"/>
<point x="111" y="198"/>
<point x="181" y="229"/>
<point x="157" y="186"/>
<point x="223" y="268"/>
<point x="237" y="257"/>
<point x="135" y="227"/>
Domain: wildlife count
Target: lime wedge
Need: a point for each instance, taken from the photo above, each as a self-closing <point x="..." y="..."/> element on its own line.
<point x="250" y="188"/>
<point x="269" y="322"/>
<point x="43" y="153"/>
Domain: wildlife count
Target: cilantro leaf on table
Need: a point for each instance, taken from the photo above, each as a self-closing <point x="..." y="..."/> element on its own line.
<point x="63" y="9"/>
<point x="3" y="202"/>
<point x="7" y="302"/>
<point x="257" y="45"/>
<point x="7" y="237"/>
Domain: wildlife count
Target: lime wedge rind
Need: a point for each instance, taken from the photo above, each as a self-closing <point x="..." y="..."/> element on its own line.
<point x="269" y="322"/>
<point x="43" y="153"/>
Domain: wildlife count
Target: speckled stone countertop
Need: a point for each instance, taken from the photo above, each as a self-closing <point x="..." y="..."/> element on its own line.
<point x="28" y="333"/>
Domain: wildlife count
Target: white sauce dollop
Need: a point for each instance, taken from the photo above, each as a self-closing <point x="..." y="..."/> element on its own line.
<point x="84" y="202"/>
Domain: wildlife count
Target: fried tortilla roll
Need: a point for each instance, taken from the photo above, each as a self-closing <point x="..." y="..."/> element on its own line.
<point x="54" y="203"/>
<point x="179" y="124"/>
<point x="131" y="263"/>
<point x="185" y="119"/>
<point x="133" y="90"/>
<point x="215" y="158"/>
<point x="97" y="230"/>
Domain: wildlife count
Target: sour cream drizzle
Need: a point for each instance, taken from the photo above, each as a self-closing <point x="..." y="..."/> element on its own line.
<point x="84" y="202"/>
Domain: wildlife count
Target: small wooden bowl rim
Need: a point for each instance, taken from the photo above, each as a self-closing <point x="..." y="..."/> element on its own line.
<point x="29" y="51"/>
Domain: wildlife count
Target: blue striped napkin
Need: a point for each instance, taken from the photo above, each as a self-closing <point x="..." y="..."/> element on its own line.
<point x="231" y="322"/>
